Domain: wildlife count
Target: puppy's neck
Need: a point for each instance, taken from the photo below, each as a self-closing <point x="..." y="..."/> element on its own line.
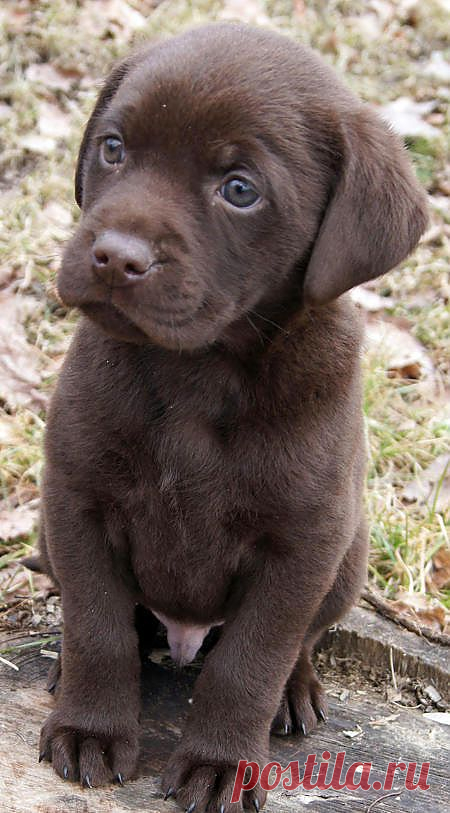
<point x="254" y="333"/>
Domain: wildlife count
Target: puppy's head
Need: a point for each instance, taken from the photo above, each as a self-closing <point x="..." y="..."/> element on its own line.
<point x="224" y="171"/>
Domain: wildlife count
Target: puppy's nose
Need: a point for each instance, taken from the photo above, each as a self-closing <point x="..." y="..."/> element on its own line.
<point x="121" y="259"/>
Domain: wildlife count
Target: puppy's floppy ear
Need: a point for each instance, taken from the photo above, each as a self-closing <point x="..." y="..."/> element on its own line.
<point x="375" y="215"/>
<point x="106" y="94"/>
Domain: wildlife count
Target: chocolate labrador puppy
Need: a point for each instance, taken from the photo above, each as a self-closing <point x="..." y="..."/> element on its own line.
<point x="205" y="452"/>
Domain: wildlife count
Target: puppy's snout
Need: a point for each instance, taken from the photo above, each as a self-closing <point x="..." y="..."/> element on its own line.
<point x="121" y="259"/>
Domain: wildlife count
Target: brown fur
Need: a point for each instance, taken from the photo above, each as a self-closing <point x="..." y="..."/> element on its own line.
<point x="205" y="453"/>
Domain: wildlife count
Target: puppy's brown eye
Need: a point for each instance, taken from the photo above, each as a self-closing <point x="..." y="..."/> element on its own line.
<point x="239" y="192"/>
<point x="112" y="150"/>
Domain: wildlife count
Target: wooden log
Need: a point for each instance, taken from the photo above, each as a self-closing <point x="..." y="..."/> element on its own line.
<point x="377" y="642"/>
<point x="364" y="726"/>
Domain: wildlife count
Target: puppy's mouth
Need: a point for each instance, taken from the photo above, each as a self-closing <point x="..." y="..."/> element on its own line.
<point x="165" y="328"/>
<point x="136" y="314"/>
<point x="170" y="307"/>
<point x="114" y="322"/>
<point x="172" y="328"/>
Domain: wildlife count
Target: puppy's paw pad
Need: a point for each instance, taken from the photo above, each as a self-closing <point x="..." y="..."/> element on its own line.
<point x="254" y="800"/>
<point x="195" y="793"/>
<point x="79" y="756"/>
<point x="198" y="788"/>
<point x="251" y="800"/>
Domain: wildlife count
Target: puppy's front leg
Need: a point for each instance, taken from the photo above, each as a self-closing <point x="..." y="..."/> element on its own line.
<point x="92" y="735"/>
<point x="239" y="689"/>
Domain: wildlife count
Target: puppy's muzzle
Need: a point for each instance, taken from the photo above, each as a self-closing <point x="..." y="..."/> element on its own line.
<point x="122" y="259"/>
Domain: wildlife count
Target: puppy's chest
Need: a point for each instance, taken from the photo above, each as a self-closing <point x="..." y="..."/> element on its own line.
<point x="197" y="522"/>
<point x="217" y="458"/>
<point x="208" y="472"/>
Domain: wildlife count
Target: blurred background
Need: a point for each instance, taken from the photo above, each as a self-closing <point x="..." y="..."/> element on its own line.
<point x="395" y="55"/>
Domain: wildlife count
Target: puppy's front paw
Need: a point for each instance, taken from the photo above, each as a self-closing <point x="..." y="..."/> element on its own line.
<point x="87" y="754"/>
<point x="199" y="784"/>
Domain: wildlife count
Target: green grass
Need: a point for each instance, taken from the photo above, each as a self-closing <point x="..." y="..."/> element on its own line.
<point x="405" y="436"/>
<point x="380" y="61"/>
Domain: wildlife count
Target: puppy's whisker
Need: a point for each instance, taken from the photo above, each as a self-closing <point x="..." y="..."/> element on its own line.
<point x="270" y="322"/>
<point x="172" y="322"/>
<point x="259" y="333"/>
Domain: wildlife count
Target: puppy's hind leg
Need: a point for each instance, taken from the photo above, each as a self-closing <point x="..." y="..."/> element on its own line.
<point x="40" y="563"/>
<point x="303" y="703"/>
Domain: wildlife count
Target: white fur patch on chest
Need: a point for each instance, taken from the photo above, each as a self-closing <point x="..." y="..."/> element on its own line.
<point x="184" y="640"/>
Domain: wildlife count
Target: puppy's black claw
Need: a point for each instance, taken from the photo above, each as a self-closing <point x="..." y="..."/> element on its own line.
<point x="169" y="792"/>
<point x="303" y="728"/>
<point x="256" y="805"/>
<point x="65" y="772"/>
<point x="41" y="756"/>
<point x="52" y="688"/>
<point x="322" y="715"/>
<point x="191" y="808"/>
<point x="119" y="778"/>
<point x="87" y="781"/>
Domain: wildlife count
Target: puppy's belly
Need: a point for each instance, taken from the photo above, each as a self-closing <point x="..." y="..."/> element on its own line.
<point x="184" y="640"/>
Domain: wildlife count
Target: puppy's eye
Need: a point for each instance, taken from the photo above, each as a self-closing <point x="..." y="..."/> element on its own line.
<point x="112" y="150"/>
<point x="239" y="192"/>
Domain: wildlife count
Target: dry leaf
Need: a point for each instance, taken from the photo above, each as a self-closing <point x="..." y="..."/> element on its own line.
<point x="6" y="275"/>
<point x="442" y="717"/>
<point x="434" y="235"/>
<point x="58" y="214"/>
<point x="437" y="67"/>
<point x="385" y="10"/>
<point x="299" y="8"/>
<point x="9" y="432"/>
<point x="393" y="695"/>
<point x="369" y="26"/>
<point x="5" y="111"/>
<point x="420" y="609"/>
<point x="370" y="300"/>
<point x="439" y="577"/>
<point x="49" y="653"/>
<point x="15" y="582"/>
<point x="440" y="203"/>
<point x="53" y="122"/>
<point x="250" y="12"/>
<point x="432" y="693"/>
<point x="351" y="734"/>
<point x="47" y="75"/>
<point x="432" y="485"/>
<point x="19" y="520"/>
<point x="100" y="16"/>
<point x="20" y="362"/>
<point x="16" y="18"/>
<point x="33" y="142"/>
<point x="406" y="117"/>
<point x="384" y="720"/>
<point x="404" y="356"/>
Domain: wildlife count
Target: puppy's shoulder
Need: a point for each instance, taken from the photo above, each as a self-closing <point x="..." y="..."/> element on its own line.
<point x="329" y="336"/>
<point x="316" y="365"/>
